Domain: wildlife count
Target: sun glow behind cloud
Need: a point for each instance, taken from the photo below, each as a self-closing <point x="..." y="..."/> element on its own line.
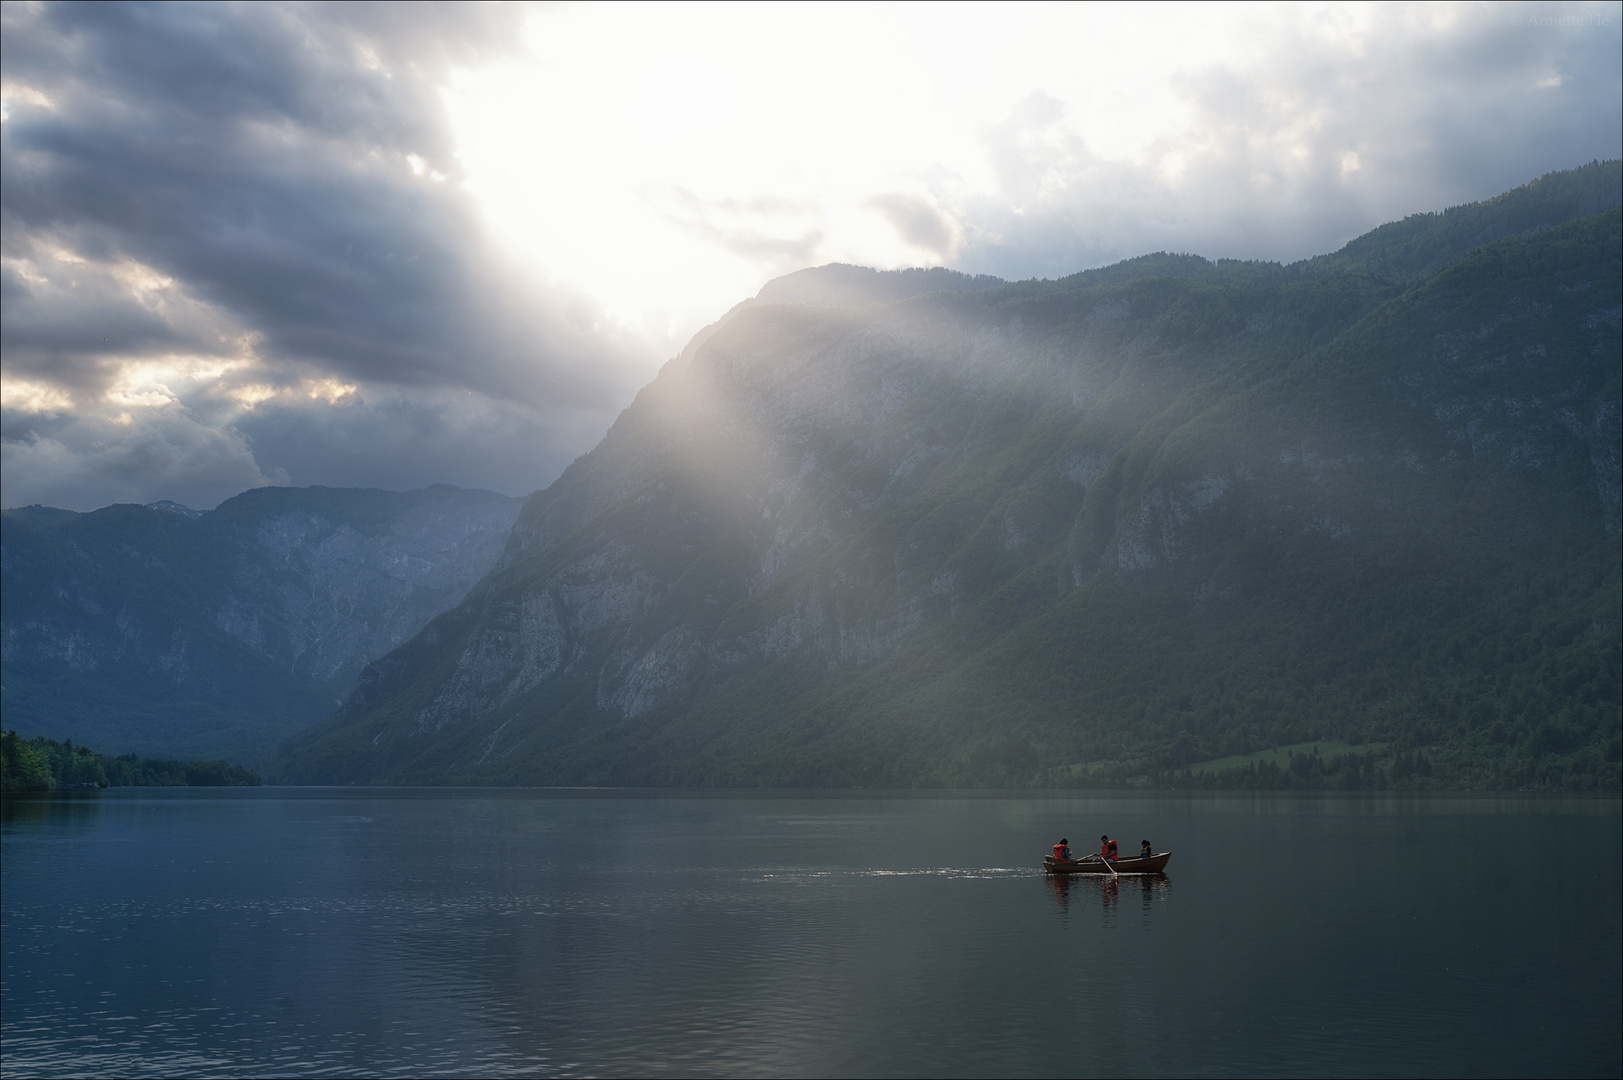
<point x="394" y="245"/>
<point x="662" y="158"/>
<point x="668" y="159"/>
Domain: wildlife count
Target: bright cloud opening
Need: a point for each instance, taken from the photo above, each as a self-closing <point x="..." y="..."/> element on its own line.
<point x="362" y="244"/>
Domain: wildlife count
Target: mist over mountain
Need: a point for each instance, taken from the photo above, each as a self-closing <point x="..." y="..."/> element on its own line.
<point x="166" y="631"/>
<point x="920" y="529"/>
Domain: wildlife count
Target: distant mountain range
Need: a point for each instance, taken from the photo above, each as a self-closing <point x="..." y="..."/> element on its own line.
<point x="170" y="632"/>
<point x="915" y="528"/>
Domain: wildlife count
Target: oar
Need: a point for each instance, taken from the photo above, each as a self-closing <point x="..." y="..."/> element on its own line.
<point x="1104" y="860"/>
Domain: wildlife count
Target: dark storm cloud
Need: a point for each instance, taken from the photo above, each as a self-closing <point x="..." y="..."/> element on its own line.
<point x="398" y="441"/>
<point x="273" y="184"/>
<point x="64" y="334"/>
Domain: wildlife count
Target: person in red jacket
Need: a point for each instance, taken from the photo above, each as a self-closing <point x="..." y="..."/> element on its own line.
<point x="1107" y="849"/>
<point x="1062" y="850"/>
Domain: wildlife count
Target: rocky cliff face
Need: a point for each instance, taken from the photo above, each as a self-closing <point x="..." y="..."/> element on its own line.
<point x="322" y="598"/>
<point x="164" y="630"/>
<point x="1000" y="533"/>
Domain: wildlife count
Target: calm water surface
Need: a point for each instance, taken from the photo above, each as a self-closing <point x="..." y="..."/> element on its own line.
<point x="322" y="932"/>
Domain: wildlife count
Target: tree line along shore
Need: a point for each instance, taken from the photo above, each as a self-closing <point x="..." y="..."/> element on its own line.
<point x="42" y="764"/>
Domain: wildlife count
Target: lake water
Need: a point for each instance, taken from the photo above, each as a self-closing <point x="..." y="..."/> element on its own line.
<point x="333" y="932"/>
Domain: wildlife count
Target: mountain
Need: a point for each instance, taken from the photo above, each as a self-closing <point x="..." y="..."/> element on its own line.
<point x="1096" y="530"/>
<point x="167" y="631"/>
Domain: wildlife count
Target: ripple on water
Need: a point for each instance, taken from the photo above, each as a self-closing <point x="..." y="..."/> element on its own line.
<point x="885" y="937"/>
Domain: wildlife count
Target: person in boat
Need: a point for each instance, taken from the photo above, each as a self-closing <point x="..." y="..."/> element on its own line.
<point x="1062" y="850"/>
<point x="1145" y="851"/>
<point x="1107" y="849"/>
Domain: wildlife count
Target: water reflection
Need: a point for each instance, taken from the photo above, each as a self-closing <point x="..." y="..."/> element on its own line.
<point x="54" y="807"/>
<point x="330" y="932"/>
<point x="1149" y="887"/>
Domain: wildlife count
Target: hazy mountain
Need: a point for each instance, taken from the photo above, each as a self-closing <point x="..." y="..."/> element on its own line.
<point x="167" y="631"/>
<point x="1073" y="531"/>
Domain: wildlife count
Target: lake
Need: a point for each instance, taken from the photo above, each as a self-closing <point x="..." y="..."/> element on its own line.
<point x="413" y="932"/>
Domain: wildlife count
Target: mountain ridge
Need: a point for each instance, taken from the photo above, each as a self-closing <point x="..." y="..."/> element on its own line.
<point x="1069" y="532"/>
<point x="168" y="631"/>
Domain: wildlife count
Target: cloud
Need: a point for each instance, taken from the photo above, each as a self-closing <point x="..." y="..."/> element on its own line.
<point x="772" y="232"/>
<point x="99" y="459"/>
<point x="211" y="212"/>
<point x="403" y="243"/>
<point x="1325" y="125"/>
<point x="397" y="440"/>
<point x="706" y="149"/>
<point x="918" y="222"/>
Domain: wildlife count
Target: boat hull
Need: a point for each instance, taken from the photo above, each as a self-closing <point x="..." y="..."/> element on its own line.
<point x="1152" y="865"/>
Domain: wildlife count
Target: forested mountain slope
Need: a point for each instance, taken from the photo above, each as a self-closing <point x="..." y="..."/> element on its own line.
<point x="1085" y="531"/>
<point x="164" y="631"/>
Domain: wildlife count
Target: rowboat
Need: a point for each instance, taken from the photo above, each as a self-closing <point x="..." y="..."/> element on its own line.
<point x="1153" y="864"/>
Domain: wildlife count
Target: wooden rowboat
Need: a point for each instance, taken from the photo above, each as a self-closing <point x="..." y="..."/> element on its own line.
<point x="1135" y="865"/>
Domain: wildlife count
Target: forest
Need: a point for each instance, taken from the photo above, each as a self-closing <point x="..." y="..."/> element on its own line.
<point x="41" y="764"/>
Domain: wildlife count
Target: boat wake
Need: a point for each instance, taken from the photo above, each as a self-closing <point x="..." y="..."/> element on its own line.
<point x="963" y="872"/>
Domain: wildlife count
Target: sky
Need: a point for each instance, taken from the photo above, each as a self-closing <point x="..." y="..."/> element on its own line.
<point x="395" y="245"/>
